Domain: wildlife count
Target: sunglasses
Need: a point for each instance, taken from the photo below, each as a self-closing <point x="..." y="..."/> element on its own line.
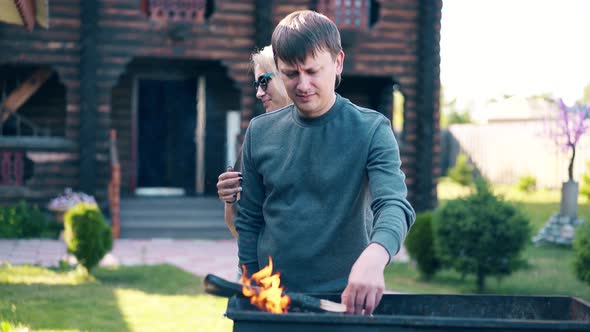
<point x="262" y="81"/>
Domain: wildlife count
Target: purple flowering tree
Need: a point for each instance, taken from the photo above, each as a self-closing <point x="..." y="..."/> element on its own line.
<point x="568" y="125"/>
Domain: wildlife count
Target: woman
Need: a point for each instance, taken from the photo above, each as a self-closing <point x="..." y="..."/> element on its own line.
<point x="271" y="92"/>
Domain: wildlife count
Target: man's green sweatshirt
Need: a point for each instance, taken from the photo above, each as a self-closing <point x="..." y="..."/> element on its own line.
<point x="317" y="191"/>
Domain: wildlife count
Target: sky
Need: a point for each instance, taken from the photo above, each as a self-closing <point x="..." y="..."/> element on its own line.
<point x="491" y="48"/>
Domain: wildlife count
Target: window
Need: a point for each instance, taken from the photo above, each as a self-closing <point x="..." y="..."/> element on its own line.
<point x="196" y="11"/>
<point x="349" y="14"/>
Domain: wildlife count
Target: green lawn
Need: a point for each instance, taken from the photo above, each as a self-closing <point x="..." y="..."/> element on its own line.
<point x="165" y="298"/>
<point x="550" y="267"/>
<point x="146" y="298"/>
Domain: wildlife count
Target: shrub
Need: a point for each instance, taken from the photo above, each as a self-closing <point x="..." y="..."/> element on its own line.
<point x="481" y="235"/>
<point x="585" y="187"/>
<point x="462" y="172"/>
<point x="87" y="234"/>
<point x="420" y="245"/>
<point x="582" y="252"/>
<point x="25" y="221"/>
<point x="527" y="183"/>
<point x="6" y="326"/>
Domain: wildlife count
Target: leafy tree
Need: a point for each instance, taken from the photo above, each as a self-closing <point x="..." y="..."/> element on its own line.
<point x="462" y="172"/>
<point x="449" y="112"/>
<point x="527" y="183"/>
<point x="481" y="235"/>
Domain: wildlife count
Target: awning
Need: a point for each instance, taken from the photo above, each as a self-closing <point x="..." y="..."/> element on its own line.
<point x="25" y="12"/>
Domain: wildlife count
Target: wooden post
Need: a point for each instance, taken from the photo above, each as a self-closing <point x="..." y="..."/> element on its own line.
<point x="264" y="24"/>
<point x="115" y="186"/>
<point x="89" y="61"/>
<point x="424" y="194"/>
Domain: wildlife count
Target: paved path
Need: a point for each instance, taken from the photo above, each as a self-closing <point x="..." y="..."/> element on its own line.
<point x="195" y="256"/>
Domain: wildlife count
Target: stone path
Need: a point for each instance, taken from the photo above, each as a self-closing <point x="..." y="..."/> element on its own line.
<point x="199" y="257"/>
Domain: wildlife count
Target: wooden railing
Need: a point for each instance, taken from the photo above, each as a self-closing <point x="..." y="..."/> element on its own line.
<point x="21" y="124"/>
<point x="15" y="166"/>
<point x="12" y="168"/>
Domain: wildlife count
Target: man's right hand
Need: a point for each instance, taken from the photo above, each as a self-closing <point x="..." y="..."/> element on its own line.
<point x="229" y="184"/>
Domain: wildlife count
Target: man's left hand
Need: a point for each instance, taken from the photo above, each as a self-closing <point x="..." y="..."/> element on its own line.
<point x="366" y="282"/>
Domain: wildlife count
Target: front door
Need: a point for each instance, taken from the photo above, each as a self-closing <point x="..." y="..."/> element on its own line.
<point x="166" y="133"/>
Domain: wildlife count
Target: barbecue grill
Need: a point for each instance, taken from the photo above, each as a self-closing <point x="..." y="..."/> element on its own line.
<point x="404" y="312"/>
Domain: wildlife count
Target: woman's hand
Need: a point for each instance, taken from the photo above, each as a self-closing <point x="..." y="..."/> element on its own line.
<point x="229" y="184"/>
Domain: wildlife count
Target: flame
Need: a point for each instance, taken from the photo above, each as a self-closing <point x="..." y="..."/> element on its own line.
<point x="264" y="291"/>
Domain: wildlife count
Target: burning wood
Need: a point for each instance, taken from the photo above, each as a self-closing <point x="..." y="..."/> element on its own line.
<point x="218" y="286"/>
<point x="266" y="293"/>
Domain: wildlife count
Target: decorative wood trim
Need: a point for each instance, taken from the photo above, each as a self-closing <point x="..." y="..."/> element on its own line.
<point x="26" y="9"/>
<point x="22" y="93"/>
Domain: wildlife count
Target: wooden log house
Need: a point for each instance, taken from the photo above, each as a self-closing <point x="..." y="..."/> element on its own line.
<point x="172" y="78"/>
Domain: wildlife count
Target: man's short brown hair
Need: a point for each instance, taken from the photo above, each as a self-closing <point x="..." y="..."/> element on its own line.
<point x="304" y="33"/>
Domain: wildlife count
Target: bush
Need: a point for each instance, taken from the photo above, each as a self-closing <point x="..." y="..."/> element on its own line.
<point x="462" y="172"/>
<point x="87" y="234"/>
<point x="585" y="187"/>
<point x="582" y="252"/>
<point x="420" y="245"/>
<point x="527" y="183"/>
<point x="480" y="235"/>
<point x="24" y="221"/>
<point x="6" y="326"/>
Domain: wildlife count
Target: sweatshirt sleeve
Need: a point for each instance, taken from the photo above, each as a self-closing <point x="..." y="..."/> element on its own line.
<point x="392" y="213"/>
<point x="249" y="219"/>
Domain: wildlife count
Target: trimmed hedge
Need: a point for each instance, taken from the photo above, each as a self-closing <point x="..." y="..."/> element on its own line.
<point x="87" y="234"/>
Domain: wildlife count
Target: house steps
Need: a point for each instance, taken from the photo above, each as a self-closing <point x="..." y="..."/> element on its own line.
<point x="173" y="217"/>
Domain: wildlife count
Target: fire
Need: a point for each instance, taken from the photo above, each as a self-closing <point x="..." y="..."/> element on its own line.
<point x="264" y="290"/>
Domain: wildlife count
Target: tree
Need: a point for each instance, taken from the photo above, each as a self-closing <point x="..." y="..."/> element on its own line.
<point x="450" y="113"/>
<point x="566" y="127"/>
<point x="481" y="235"/>
<point x="586" y="95"/>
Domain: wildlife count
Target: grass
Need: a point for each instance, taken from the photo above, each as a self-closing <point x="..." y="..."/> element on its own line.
<point x="550" y="269"/>
<point x="165" y="298"/>
<point x="144" y="298"/>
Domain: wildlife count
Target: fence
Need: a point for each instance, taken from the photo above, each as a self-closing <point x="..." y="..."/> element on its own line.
<point x="505" y="152"/>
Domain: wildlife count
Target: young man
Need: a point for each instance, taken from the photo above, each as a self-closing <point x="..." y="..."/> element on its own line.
<point x="312" y="173"/>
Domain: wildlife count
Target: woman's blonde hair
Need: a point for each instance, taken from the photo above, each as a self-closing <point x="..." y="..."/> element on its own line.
<point x="265" y="59"/>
